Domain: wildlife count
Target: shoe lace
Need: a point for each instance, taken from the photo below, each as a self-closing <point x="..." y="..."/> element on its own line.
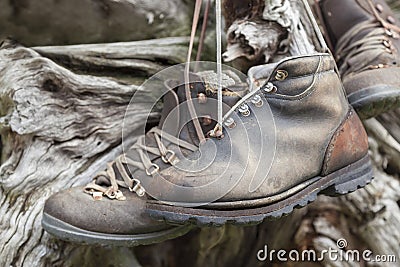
<point x="377" y="42"/>
<point x="121" y="165"/>
<point x="168" y="156"/>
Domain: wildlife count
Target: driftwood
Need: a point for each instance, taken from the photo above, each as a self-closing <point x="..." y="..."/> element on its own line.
<point x="130" y="61"/>
<point x="58" y="128"/>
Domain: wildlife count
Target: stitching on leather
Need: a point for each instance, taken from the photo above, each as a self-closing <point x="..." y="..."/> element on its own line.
<point x="331" y="68"/>
<point x="308" y="91"/>
<point x="332" y="142"/>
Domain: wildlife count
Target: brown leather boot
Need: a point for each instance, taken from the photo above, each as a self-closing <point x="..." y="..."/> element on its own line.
<point x="272" y="158"/>
<point x="364" y="37"/>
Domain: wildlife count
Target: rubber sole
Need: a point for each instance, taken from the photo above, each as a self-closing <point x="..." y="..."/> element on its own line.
<point x="371" y="102"/>
<point x="67" y="232"/>
<point x="343" y="181"/>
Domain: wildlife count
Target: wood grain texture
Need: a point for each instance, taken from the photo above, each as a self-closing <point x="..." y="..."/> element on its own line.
<point x="58" y="128"/>
<point x="129" y="61"/>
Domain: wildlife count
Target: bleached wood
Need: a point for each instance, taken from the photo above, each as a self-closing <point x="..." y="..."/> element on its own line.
<point x="140" y="58"/>
<point x="58" y="128"/>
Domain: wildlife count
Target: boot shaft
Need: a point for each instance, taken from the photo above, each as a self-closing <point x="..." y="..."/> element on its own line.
<point x="340" y="16"/>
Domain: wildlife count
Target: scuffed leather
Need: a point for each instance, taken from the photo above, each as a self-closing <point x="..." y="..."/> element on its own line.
<point x="378" y="78"/>
<point x="307" y="109"/>
<point x="128" y="217"/>
<point x="348" y="144"/>
<point x="74" y="207"/>
<point x="339" y="16"/>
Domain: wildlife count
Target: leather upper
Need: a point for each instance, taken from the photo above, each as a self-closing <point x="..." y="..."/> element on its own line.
<point x="79" y="209"/>
<point x="128" y="217"/>
<point x="339" y="16"/>
<point x="284" y="142"/>
<point x="342" y="16"/>
<point x="365" y="36"/>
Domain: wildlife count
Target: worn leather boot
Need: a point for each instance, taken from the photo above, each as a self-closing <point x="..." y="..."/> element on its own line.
<point x="364" y="37"/>
<point x="111" y="209"/>
<point x="320" y="146"/>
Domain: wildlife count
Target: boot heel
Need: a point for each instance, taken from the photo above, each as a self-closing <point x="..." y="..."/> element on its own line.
<point x="359" y="175"/>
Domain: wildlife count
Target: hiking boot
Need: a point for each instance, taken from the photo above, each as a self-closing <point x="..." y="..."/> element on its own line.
<point x="364" y="37"/>
<point x="111" y="209"/>
<point x="291" y="137"/>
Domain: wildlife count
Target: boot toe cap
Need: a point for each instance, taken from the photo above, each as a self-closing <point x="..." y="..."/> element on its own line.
<point x="76" y="208"/>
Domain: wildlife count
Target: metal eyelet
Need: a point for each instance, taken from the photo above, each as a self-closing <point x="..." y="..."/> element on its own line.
<point x="244" y="110"/>
<point x="270" y="88"/>
<point x="257" y="101"/>
<point x="169" y="157"/>
<point x="379" y="7"/>
<point x="230" y="123"/>
<point x="153" y="169"/>
<point x="137" y="188"/>
<point x="391" y="20"/>
<point x="281" y="75"/>
<point x="118" y="195"/>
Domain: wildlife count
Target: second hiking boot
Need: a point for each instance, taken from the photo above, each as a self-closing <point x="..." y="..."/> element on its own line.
<point x="364" y="37"/>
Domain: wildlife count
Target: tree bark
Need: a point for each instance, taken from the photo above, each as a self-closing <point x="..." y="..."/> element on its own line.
<point x="58" y="128"/>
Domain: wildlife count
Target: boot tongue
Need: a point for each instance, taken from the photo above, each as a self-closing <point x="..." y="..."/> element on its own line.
<point x="261" y="73"/>
<point x="174" y="119"/>
<point x="179" y="123"/>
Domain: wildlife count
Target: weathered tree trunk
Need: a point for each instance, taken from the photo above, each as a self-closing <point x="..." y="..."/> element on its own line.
<point x="58" y="128"/>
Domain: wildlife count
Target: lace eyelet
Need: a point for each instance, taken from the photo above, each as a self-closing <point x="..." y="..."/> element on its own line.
<point x="379" y="8"/>
<point x="152" y="170"/>
<point x="281" y="75"/>
<point x="137" y="188"/>
<point x="270" y="88"/>
<point x="169" y="157"/>
<point x="114" y="194"/>
<point x="244" y="110"/>
<point x="391" y="20"/>
<point x="257" y="101"/>
<point x="230" y="123"/>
